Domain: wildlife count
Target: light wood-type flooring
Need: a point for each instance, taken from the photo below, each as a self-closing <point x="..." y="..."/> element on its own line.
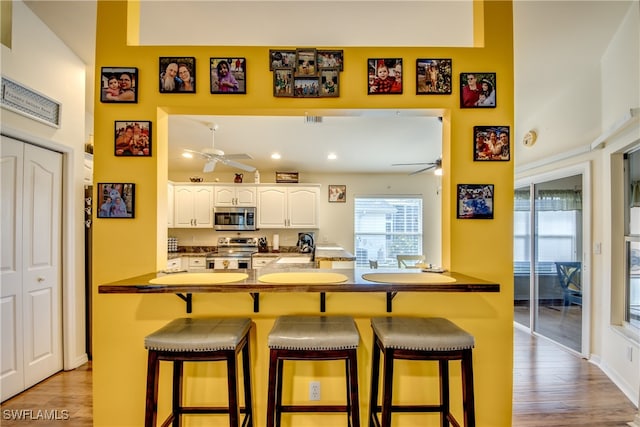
<point x="552" y="388"/>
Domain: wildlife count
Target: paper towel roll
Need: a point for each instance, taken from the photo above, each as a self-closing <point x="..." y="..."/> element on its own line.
<point x="276" y="242"/>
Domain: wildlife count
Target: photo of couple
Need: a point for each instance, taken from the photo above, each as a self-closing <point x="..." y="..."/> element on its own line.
<point x="177" y="74"/>
<point x="478" y="90"/>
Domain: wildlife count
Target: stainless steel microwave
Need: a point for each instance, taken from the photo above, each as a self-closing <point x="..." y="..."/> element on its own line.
<point x="236" y="218"/>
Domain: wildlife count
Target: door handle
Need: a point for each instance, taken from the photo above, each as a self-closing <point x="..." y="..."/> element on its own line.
<point x="40" y="279"/>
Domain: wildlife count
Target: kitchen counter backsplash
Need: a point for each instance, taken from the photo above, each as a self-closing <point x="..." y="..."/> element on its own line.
<point x="204" y="250"/>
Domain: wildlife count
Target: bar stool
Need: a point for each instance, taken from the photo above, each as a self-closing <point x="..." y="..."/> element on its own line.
<point x="312" y="338"/>
<point x="199" y="340"/>
<point x="417" y="338"/>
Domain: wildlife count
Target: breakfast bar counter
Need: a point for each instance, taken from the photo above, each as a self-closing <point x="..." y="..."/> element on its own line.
<point x="355" y="280"/>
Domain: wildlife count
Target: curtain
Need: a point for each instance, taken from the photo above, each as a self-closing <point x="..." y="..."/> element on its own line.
<point x="550" y="200"/>
<point x="635" y="194"/>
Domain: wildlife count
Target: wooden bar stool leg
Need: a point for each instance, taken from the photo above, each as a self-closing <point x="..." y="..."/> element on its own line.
<point x="232" y="381"/>
<point x="444" y="393"/>
<point x="178" y="370"/>
<point x="272" y="387"/>
<point x="375" y="382"/>
<point x="153" y="370"/>
<point x="468" y="398"/>
<point x="279" y="373"/>
<point x="352" y="397"/>
<point x="387" y="390"/>
<point x="248" y="388"/>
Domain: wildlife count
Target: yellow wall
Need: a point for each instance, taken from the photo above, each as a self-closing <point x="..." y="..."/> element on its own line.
<point x="124" y="248"/>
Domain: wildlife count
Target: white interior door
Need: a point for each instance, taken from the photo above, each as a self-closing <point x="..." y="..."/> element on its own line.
<point x="31" y="263"/>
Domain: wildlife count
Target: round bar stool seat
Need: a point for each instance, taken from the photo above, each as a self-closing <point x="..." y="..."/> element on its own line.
<point x="312" y="338"/>
<point x="420" y="338"/>
<point x="200" y="340"/>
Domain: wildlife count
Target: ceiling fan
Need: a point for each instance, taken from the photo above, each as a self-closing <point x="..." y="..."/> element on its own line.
<point x="437" y="165"/>
<point x="214" y="155"/>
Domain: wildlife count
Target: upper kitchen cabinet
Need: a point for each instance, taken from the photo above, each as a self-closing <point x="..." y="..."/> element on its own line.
<point x="193" y="206"/>
<point x="288" y="207"/>
<point x="231" y="195"/>
<point x="171" y="208"/>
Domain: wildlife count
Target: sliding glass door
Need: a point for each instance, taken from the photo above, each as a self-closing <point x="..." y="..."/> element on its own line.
<point x="548" y="259"/>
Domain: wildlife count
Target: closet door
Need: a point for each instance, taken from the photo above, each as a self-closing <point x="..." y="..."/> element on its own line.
<point x="31" y="275"/>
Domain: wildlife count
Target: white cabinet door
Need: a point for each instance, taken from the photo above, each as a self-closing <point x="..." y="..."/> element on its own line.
<point x="272" y="207"/>
<point x="228" y="196"/>
<point x="193" y="206"/>
<point x="31" y="265"/>
<point x="288" y="207"/>
<point x="302" y="207"/>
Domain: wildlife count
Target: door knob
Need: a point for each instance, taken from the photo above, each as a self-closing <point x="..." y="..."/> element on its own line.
<point x="40" y="279"/>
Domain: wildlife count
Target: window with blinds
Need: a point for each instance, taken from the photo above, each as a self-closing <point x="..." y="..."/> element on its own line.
<point x="385" y="227"/>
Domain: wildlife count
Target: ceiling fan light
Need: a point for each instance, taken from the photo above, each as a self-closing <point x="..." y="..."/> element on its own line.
<point x="187" y="155"/>
<point x="438" y="171"/>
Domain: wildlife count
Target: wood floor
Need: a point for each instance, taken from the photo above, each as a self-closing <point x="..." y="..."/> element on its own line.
<point x="552" y="388"/>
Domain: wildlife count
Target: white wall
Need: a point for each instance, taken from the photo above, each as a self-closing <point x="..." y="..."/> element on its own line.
<point x="38" y="60"/>
<point x="617" y="91"/>
<point x="336" y="219"/>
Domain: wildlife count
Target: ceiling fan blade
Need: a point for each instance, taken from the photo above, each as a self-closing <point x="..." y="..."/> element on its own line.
<point x="413" y="164"/>
<point x="423" y="170"/>
<point x="237" y="165"/>
<point x="209" y="166"/>
<point x="238" y="156"/>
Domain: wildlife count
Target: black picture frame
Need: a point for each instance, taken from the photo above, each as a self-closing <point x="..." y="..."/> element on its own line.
<point x="475" y="201"/>
<point x="434" y="76"/>
<point x="472" y="92"/>
<point x="330" y="59"/>
<point x="107" y="202"/>
<point x="126" y="86"/>
<point x="283" y="82"/>
<point x="132" y="138"/>
<point x="491" y="143"/>
<point x="282" y="59"/>
<point x="381" y="82"/>
<point x="180" y="82"/>
<point x="235" y="80"/>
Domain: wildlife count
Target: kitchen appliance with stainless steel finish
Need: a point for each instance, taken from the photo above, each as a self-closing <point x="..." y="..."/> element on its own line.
<point x="234" y="218"/>
<point x="233" y="253"/>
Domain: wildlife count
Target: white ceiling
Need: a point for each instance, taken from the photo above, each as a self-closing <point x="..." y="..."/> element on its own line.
<point x="554" y="43"/>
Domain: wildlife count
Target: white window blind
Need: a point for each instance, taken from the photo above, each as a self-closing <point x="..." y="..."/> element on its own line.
<point x="386" y="227"/>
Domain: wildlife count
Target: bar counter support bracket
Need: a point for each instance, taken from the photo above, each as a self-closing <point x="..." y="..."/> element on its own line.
<point x="323" y="302"/>
<point x="390" y="297"/>
<point x="188" y="299"/>
<point x="256" y="301"/>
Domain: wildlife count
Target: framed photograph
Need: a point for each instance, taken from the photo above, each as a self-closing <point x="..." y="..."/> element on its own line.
<point x="287" y="177"/>
<point x="330" y="59"/>
<point x="119" y="84"/>
<point x="385" y="76"/>
<point x="116" y="200"/>
<point x="478" y="90"/>
<point x="306" y="62"/>
<point x="337" y="193"/>
<point x="491" y="143"/>
<point x="433" y="76"/>
<point x="132" y="138"/>
<point x="281" y="58"/>
<point x="177" y="74"/>
<point x="283" y="82"/>
<point x="228" y="75"/>
<point x="306" y="87"/>
<point x="475" y="201"/>
<point x="329" y="82"/>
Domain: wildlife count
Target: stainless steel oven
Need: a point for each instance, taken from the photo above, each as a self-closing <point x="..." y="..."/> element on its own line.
<point x="233" y="253"/>
<point x="234" y="219"/>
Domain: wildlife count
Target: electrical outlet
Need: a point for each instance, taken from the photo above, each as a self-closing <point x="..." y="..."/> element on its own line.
<point x="314" y="390"/>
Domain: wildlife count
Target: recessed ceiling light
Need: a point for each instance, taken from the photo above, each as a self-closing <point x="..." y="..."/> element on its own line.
<point x="187" y="155"/>
<point x="275" y="156"/>
<point x="332" y="156"/>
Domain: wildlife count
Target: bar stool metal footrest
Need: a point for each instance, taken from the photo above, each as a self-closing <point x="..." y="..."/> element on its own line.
<point x="200" y="340"/>
<point x="312" y="338"/>
<point x="418" y="338"/>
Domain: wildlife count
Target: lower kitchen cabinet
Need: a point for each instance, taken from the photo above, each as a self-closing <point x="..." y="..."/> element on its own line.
<point x="288" y="207"/>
